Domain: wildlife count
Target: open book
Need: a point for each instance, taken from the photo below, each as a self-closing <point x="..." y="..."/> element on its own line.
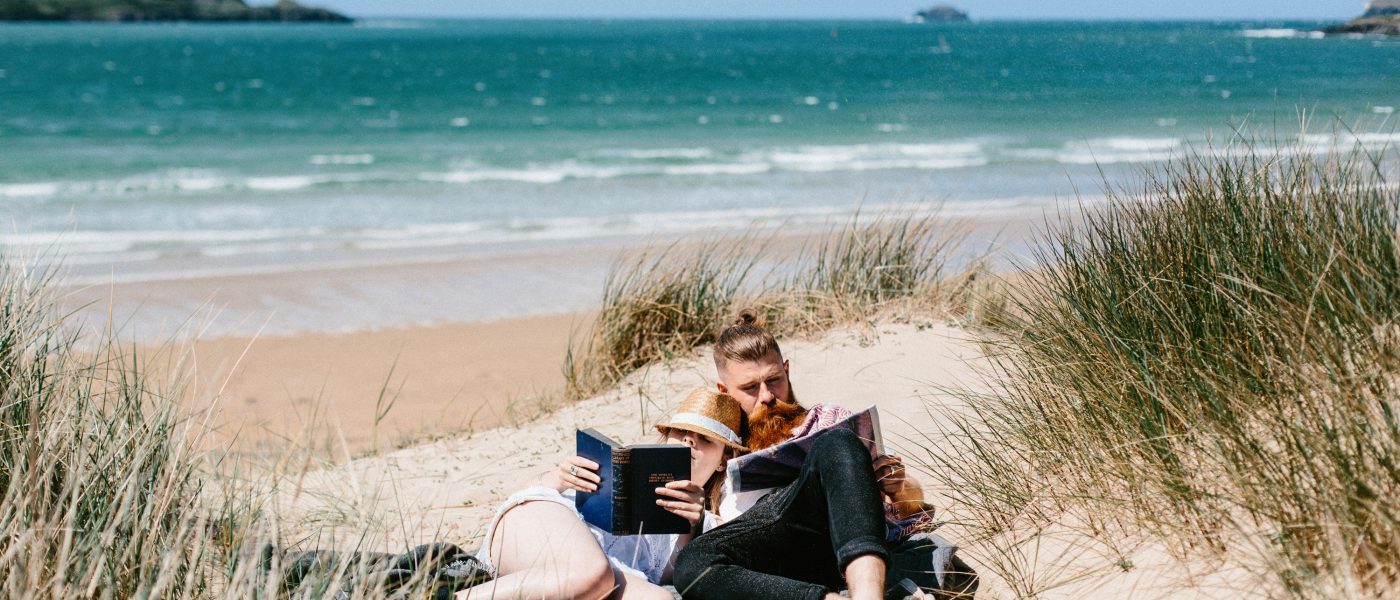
<point x="779" y="465"/>
<point x="625" y="503"/>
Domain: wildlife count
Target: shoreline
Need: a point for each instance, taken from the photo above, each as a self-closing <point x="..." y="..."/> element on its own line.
<point x="510" y="282"/>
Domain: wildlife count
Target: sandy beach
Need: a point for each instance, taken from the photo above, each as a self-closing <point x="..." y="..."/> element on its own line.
<point x="355" y="392"/>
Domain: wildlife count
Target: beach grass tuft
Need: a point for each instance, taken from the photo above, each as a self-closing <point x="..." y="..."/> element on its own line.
<point x="1213" y="359"/>
<point x="663" y="304"/>
<point x="105" y="489"/>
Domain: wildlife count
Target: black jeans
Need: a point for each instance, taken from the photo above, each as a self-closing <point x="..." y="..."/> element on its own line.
<point x="795" y="543"/>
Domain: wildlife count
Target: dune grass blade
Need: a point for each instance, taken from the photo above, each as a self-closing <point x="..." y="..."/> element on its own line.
<point x="1214" y="359"/>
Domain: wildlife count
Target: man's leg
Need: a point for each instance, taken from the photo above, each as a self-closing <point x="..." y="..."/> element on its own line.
<point x="800" y="540"/>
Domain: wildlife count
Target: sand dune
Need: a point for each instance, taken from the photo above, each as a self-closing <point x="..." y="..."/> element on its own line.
<point x="448" y="490"/>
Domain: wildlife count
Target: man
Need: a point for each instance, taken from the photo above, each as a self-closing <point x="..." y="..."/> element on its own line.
<point x="751" y="368"/>
<point x="826" y="530"/>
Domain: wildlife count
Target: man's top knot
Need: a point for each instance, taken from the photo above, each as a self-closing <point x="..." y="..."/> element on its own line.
<point x="745" y="341"/>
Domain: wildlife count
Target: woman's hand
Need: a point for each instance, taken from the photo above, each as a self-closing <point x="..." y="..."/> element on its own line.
<point x="685" y="499"/>
<point x="574" y="473"/>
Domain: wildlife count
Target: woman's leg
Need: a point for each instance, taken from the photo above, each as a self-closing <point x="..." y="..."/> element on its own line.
<point x="543" y="551"/>
<point x="637" y="588"/>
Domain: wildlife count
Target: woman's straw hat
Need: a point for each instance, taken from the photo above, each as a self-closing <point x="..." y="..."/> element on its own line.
<point x="710" y="413"/>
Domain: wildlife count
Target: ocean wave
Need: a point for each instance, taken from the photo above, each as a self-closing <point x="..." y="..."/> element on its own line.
<point x="658" y="153"/>
<point x="29" y="190"/>
<point x="1104" y="151"/>
<point x="1282" y="33"/>
<point x="178" y="181"/>
<point x="89" y="248"/>
<point x="284" y="183"/>
<point x="389" y="24"/>
<point x="1349" y="139"/>
<point x="752" y="168"/>
<point x="540" y="175"/>
<point x="341" y="159"/>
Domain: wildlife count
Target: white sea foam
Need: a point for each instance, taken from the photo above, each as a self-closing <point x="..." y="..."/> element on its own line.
<point x="542" y="174"/>
<point x="1325" y="142"/>
<point x="954" y="148"/>
<point x="29" y="190"/>
<point x="341" y="159"/>
<point x="125" y="239"/>
<point x="659" y="153"/>
<point x="1129" y="144"/>
<point x="265" y="248"/>
<point x="280" y="184"/>
<point x="925" y="164"/>
<point x="869" y="157"/>
<point x="1272" y="33"/>
<point x="1113" y="150"/>
<point x="718" y="169"/>
<point x="389" y="24"/>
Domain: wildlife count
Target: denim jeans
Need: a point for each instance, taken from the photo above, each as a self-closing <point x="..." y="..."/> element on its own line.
<point x="795" y="543"/>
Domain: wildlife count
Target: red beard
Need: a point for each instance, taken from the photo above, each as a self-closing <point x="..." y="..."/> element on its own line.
<point x="774" y="424"/>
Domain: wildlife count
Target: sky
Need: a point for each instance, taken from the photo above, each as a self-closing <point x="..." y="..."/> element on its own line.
<point x="852" y="9"/>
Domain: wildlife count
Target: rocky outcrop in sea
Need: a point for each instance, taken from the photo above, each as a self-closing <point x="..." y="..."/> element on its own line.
<point x="1382" y="17"/>
<point x="942" y="13"/>
<point x="1380" y="25"/>
<point x="165" y="10"/>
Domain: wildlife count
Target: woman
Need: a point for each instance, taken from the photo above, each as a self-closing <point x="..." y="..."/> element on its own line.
<point x="541" y="548"/>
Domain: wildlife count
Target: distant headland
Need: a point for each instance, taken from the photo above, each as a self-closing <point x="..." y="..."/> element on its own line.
<point x="167" y="10"/>
<point x="1382" y="17"/>
<point x="942" y="13"/>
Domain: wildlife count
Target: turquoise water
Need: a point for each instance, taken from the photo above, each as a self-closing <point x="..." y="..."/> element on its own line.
<point x="198" y="149"/>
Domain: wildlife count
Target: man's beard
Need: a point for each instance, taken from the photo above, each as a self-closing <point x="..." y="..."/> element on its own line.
<point x="774" y="424"/>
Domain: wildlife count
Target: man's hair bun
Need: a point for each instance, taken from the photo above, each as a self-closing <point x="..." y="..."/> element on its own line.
<point x="745" y="340"/>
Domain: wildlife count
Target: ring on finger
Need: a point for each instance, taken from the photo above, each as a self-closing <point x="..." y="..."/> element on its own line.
<point x="573" y="470"/>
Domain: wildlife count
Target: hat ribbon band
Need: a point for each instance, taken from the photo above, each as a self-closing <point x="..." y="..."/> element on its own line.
<point x="699" y="420"/>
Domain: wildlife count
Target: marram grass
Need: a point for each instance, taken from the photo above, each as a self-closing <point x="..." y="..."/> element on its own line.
<point x="662" y="304"/>
<point x="105" y="492"/>
<point x="1214" y="360"/>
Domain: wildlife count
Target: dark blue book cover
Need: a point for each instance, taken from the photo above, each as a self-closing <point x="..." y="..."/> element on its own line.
<point x="625" y="503"/>
<point x="600" y="508"/>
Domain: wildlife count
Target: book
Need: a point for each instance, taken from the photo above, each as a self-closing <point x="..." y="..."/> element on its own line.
<point x="780" y="465"/>
<point x="625" y="503"/>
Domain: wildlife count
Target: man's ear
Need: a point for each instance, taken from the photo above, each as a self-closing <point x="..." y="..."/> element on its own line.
<point x="786" y="366"/>
<point x="719" y="385"/>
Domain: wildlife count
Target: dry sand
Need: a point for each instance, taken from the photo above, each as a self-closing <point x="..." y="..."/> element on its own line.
<point x="448" y="489"/>
<point x="329" y="390"/>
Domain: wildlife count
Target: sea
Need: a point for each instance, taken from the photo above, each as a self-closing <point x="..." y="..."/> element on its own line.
<point x="142" y="153"/>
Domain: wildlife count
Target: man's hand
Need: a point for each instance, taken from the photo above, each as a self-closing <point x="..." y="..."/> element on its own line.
<point x="902" y="490"/>
<point x="889" y="473"/>
<point x="683" y="498"/>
